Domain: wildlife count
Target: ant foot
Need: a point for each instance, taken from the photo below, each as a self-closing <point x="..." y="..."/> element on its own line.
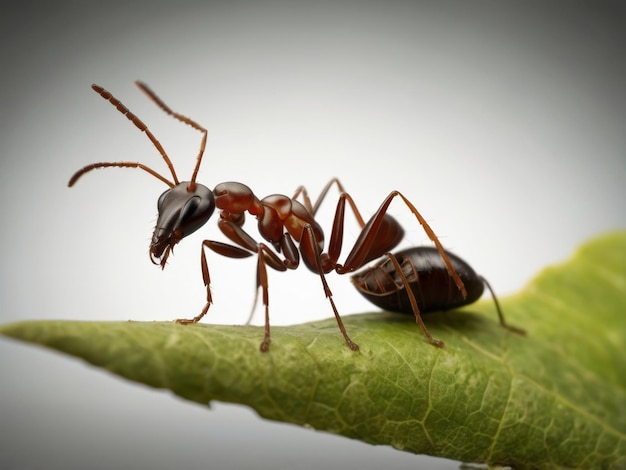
<point x="437" y="343"/>
<point x="265" y="345"/>
<point x="515" y="329"/>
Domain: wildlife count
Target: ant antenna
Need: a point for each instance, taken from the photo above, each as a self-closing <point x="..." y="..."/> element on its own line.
<point x="143" y="87"/>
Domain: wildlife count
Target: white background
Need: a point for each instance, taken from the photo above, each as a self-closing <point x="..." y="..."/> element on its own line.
<point x="504" y="122"/>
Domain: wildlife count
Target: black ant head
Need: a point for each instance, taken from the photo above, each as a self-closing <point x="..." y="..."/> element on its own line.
<point x="183" y="209"/>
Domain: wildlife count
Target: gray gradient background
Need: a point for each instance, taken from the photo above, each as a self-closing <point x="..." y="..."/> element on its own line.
<point x="504" y="122"/>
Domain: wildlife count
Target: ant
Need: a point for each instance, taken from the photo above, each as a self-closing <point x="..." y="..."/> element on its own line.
<point x="416" y="279"/>
<point x="287" y="225"/>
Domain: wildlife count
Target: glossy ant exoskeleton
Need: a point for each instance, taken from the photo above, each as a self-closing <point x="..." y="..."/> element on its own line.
<point x="430" y="288"/>
<point x="288" y="226"/>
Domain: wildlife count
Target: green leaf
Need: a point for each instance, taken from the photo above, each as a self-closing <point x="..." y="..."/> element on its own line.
<point x="554" y="398"/>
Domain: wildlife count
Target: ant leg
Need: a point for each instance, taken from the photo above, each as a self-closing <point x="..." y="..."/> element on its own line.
<point x="336" y="235"/>
<point x="308" y="238"/>
<point x="313" y="208"/>
<point x="264" y="254"/>
<point x="503" y="322"/>
<point x="291" y="255"/>
<point x="207" y="283"/>
<point x="262" y="282"/>
<point x="223" y="249"/>
<point x="307" y="201"/>
<point x="255" y="301"/>
<point x="365" y="247"/>
<point x="414" y="306"/>
<point x="291" y="261"/>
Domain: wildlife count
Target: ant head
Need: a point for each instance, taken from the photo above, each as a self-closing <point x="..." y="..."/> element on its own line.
<point x="183" y="209"/>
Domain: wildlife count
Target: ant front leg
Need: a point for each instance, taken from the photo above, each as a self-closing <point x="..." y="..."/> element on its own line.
<point x="309" y="243"/>
<point x="224" y="249"/>
<point x="265" y="257"/>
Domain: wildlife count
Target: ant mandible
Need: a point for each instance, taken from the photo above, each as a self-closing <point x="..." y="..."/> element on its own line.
<point x="288" y="225"/>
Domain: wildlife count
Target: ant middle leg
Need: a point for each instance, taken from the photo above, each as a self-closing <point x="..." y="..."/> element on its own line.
<point x="265" y="257"/>
<point x="308" y="239"/>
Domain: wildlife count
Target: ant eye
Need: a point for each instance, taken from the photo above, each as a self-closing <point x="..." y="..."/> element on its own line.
<point x="190" y="208"/>
<point x="162" y="198"/>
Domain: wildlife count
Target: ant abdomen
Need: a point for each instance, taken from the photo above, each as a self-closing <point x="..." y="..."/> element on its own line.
<point x="428" y="278"/>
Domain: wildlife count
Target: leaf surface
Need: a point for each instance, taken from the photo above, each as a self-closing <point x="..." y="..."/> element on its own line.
<point x="554" y="398"/>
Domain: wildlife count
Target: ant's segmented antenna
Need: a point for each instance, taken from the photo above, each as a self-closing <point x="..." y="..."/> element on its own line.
<point x="137" y="122"/>
<point x="143" y="87"/>
<point x="95" y="166"/>
<point x="142" y="127"/>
